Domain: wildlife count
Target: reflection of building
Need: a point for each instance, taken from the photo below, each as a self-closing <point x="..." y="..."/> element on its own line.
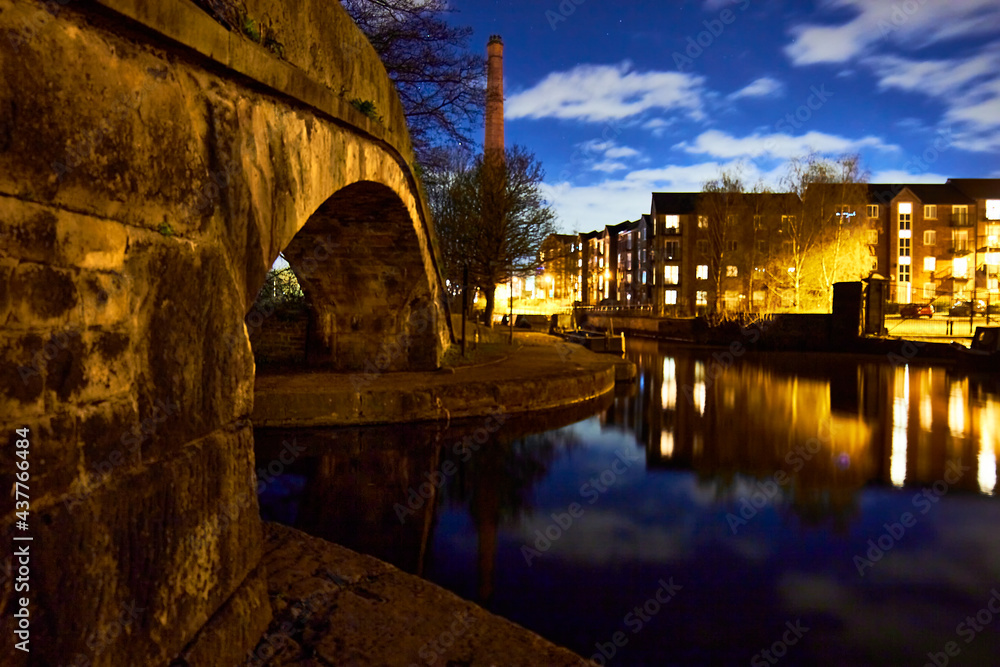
<point x="831" y="427"/>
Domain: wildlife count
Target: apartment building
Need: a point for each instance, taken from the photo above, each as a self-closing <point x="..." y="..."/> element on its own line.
<point x="696" y="252"/>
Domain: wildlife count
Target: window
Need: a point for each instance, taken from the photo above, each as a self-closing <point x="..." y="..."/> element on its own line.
<point x="993" y="209"/>
<point x="844" y="211"/>
<point x="643" y="277"/>
<point x="670" y="297"/>
<point x="732" y="271"/>
<point x="872" y="210"/>
<point x="673" y="224"/>
<point x="761" y="246"/>
<point x="904" y="247"/>
<point x="904" y="273"/>
<point x="930" y="263"/>
<point x="905" y="216"/>
<point x="993" y="284"/>
<point x="757" y="221"/>
<point x="701" y="298"/>
<point x="786" y="222"/>
<point x="731" y="246"/>
<point x="701" y="273"/>
<point x="930" y="211"/>
<point x="960" y="267"/>
<point x="960" y="240"/>
<point x="671" y="274"/>
<point x="702" y="222"/>
<point x="929" y="291"/>
<point x="872" y="237"/>
<point x="959" y="215"/>
<point x="993" y="236"/>
<point x="930" y="237"/>
<point x="702" y="246"/>
<point x="673" y="249"/>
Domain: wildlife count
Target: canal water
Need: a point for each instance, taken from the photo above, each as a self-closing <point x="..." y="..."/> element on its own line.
<point x="787" y="509"/>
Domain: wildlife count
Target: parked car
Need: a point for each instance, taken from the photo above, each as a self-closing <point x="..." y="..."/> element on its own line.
<point x="961" y="308"/>
<point x="916" y="310"/>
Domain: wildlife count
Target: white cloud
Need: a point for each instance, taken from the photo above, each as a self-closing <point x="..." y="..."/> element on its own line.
<point x="609" y="166"/>
<point x="587" y="207"/>
<point x="621" y="151"/>
<point x="723" y="145"/>
<point x="597" y="93"/>
<point x="902" y="176"/>
<point x="765" y="86"/>
<point x="968" y="88"/>
<point x="912" y="25"/>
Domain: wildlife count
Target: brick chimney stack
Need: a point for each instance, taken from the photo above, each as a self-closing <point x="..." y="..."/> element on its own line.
<point x="494" y="97"/>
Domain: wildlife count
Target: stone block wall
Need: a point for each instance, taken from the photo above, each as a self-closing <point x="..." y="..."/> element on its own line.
<point x="152" y="167"/>
<point x="281" y="339"/>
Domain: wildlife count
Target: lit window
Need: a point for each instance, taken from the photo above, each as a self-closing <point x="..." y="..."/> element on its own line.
<point x="702" y="222"/>
<point x="930" y="263"/>
<point x="905" y="215"/>
<point x="929" y="291"/>
<point x="960" y="267"/>
<point x="930" y="237"/>
<point x="872" y="237"/>
<point x="872" y="210"/>
<point x="732" y="271"/>
<point x="701" y="298"/>
<point x="930" y="211"/>
<point x="992" y="259"/>
<point x="670" y="297"/>
<point x="671" y="274"/>
<point x="673" y="223"/>
<point x="993" y="209"/>
<point x="701" y="273"/>
<point x="643" y="277"/>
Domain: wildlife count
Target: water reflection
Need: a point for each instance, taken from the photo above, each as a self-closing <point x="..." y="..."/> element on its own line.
<point x="847" y="443"/>
<point x="871" y="421"/>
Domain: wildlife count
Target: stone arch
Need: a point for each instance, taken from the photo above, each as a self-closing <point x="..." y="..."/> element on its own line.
<point x="372" y="301"/>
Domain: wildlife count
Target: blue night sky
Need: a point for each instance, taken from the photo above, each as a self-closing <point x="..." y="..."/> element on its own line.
<point x="618" y="99"/>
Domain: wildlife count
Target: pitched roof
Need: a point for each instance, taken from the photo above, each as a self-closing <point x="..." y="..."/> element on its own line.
<point x="675" y="203"/>
<point x="977" y="188"/>
<point x="939" y="194"/>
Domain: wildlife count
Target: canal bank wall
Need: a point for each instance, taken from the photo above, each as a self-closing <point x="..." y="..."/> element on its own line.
<point x="334" y="606"/>
<point x="786" y="332"/>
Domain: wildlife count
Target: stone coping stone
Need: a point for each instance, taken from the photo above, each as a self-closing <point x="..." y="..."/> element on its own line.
<point x="543" y="374"/>
<point x="334" y="606"/>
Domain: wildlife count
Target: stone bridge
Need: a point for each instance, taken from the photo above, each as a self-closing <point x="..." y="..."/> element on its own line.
<point x="152" y="166"/>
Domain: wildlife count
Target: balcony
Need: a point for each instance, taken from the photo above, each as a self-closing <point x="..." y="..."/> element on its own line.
<point x="959" y="249"/>
<point x="961" y="220"/>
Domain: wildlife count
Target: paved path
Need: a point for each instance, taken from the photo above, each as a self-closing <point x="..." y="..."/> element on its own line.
<point x="540" y="372"/>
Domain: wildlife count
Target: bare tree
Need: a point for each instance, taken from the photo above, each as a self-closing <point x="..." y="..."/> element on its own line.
<point x="823" y="240"/>
<point x="441" y="84"/>
<point x="722" y="210"/>
<point x="490" y="216"/>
